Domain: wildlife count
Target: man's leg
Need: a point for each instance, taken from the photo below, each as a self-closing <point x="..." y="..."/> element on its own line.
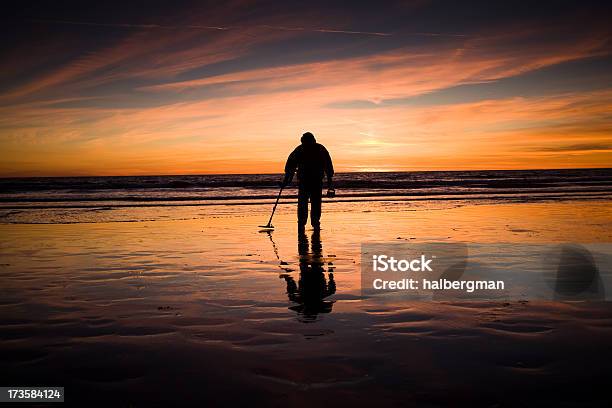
<point x="302" y="206"/>
<point x="315" y="205"/>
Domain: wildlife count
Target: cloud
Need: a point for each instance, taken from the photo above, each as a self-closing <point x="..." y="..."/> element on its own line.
<point x="581" y="147"/>
<point x="395" y="77"/>
<point x="145" y="53"/>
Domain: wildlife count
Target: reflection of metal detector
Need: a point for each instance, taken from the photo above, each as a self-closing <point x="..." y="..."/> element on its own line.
<point x="274" y="247"/>
<point x="269" y="225"/>
<point x="281" y="264"/>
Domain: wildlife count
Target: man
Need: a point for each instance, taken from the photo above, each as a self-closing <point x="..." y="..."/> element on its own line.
<point x="312" y="161"/>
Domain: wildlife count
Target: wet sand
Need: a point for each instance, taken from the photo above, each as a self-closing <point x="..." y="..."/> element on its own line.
<point x="205" y="309"/>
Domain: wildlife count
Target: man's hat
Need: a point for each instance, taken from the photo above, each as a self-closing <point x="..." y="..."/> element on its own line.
<point x="308" y="138"/>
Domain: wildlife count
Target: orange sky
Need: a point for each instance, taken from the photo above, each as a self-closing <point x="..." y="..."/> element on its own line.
<point x="191" y="101"/>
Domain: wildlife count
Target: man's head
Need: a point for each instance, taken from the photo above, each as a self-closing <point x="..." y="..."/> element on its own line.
<point x="308" y="138"/>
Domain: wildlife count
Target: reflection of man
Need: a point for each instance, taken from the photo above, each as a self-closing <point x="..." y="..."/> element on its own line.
<point x="312" y="161"/>
<point x="312" y="287"/>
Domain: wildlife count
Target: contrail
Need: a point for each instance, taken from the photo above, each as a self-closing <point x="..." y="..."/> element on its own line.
<point x="228" y="28"/>
<point x="206" y="27"/>
<point x="325" y="30"/>
<point x="126" y="25"/>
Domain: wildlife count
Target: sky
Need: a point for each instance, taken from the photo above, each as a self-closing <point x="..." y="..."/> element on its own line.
<point x="149" y="87"/>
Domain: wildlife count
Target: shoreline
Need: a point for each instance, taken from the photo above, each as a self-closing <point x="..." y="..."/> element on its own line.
<point x="154" y="212"/>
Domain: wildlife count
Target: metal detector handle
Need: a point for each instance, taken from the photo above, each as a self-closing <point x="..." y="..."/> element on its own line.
<point x="275" y="204"/>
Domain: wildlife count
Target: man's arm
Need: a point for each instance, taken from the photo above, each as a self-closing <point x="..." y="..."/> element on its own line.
<point x="328" y="167"/>
<point x="290" y="167"/>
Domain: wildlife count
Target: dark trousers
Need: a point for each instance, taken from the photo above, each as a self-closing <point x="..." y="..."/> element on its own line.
<point x="312" y="192"/>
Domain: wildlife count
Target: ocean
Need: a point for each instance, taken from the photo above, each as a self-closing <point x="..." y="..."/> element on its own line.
<point x="71" y="199"/>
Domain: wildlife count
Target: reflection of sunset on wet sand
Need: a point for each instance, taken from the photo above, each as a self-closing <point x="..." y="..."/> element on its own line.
<point x="189" y="293"/>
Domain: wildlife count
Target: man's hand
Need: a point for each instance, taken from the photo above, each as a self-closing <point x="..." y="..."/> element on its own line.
<point x="331" y="193"/>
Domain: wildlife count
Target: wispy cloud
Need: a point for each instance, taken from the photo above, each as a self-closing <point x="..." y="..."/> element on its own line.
<point x="580" y="147"/>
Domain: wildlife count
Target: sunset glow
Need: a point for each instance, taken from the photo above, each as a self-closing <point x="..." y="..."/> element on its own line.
<point x="230" y="89"/>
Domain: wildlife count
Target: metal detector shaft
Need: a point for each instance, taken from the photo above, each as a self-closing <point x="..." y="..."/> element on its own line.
<point x="275" y="204"/>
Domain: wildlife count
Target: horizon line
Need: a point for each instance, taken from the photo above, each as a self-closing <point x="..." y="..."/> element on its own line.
<point x="280" y="173"/>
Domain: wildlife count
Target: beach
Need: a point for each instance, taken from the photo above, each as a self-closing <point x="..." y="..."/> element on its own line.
<point x="202" y="307"/>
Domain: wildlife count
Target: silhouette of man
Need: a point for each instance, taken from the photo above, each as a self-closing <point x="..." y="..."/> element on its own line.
<point x="312" y="162"/>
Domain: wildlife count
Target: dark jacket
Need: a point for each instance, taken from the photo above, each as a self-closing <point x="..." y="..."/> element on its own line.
<point x="312" y="161"/>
